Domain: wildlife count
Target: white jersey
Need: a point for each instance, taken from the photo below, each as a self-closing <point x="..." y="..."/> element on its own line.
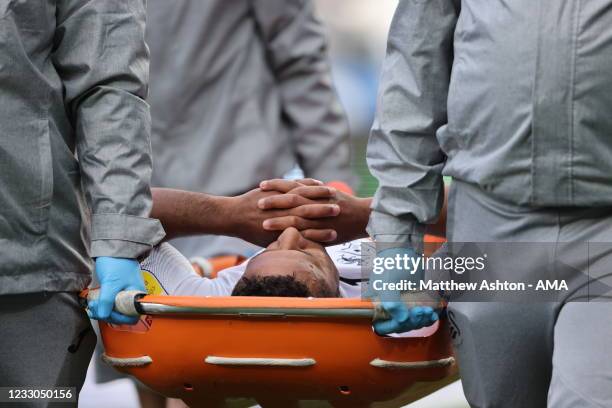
<point x="167" y="271"/>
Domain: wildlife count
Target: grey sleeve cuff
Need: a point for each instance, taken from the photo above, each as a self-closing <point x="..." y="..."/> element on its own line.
<point x="124" y="236"/>
<point x="387" y="228"/>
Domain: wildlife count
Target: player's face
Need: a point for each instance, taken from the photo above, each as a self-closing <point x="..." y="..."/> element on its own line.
<point x="307" y="261"/>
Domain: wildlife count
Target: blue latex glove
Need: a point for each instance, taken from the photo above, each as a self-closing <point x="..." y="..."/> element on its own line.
<point x="115" y="275"/>
<point x="403" y="317"/>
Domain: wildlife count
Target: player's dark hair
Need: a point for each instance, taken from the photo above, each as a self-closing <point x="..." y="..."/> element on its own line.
<point x="281" y="286"/>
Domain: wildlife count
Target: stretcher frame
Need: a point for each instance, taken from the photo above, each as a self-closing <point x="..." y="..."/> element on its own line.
<point x="278" y="351"/>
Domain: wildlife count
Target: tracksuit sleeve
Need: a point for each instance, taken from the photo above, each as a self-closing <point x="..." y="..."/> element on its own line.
<point x="102" y="58"/>
<point x="297" y="50"/>
<point x="403" y="152"/>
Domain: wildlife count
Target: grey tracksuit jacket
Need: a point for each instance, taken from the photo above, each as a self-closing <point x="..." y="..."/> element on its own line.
<point x="512" y="96"/>
<point x="73" y="75"/>
<point x="241" y="91"/>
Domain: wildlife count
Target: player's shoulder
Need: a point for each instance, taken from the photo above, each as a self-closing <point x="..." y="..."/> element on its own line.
<point x="348" y="253"/>
<point x="164" y="256"/>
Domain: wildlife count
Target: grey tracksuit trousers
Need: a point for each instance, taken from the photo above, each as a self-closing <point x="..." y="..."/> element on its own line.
<point x="555" y="354"/>
<point x="46" y="341"/>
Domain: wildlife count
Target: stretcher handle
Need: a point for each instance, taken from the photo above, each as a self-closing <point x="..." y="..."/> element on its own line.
<point x="126" y="302"/>
<point x="380" y="314"/>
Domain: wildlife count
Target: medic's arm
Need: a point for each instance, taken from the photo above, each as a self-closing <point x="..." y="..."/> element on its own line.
<point x="102" y="59"/>
<point x="297" y="51"/>
<point x="403" y="152"/>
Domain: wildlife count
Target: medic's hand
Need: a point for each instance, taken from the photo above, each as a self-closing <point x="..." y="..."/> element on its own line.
<point x="115" y="275"/>
<point x="403" y="317"/>
<point x="304" y="201"/>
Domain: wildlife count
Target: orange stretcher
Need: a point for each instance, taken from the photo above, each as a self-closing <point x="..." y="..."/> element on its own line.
<point x="277" y="351"/>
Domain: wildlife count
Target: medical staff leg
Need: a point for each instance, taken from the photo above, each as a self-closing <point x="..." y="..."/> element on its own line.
<point x="582" y="360"/>
<point x="504" y="352"/>
<point x="46" y="340"/>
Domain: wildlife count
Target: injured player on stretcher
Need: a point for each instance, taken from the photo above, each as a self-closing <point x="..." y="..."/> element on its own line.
<point x="291" y="266"/>
<point x="292" y="220"/>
